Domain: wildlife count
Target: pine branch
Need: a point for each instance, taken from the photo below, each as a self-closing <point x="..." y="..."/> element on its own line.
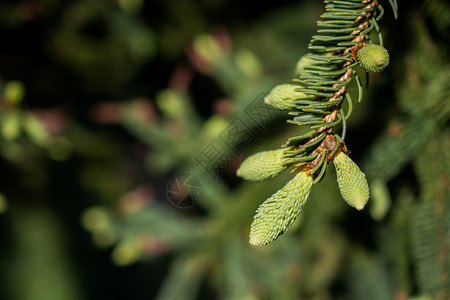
<point x="315" y="99"/>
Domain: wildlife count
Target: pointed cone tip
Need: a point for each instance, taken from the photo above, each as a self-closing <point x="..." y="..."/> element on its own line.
<point x="360" y="206"/>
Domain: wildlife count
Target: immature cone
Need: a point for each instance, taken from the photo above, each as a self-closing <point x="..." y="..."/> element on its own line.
<point x="283" y="96"/>
<point x="277" y="213"/>
<point x="302" y="62"/>
<point x="352" y="182"/>
<point x="373" y="58"/>
<point x="262" y="165"/>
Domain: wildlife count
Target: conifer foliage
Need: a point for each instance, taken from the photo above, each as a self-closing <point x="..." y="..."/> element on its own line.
<point x="316" y="100"/>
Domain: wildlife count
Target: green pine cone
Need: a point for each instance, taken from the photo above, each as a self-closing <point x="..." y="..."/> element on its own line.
<point x="373" y="58"/>
<point x="352" y="182"/>
<point x="277" y="213"/>
<point x="283" y="96"/>
<point x="302" y="62"/>
<point x="262" y="165"/>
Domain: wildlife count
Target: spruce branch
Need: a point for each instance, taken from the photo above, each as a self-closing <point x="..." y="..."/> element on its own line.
<point x="315" y="98"/>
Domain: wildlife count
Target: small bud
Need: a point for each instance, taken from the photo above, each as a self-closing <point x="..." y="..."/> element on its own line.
<point x="209" y="49"/>
<point x="36" y="130"/>
<point x="302" y="62"/>
<point x="14" y="92"/>
<point x="262" y="165"/>
<point x="10" y="125"/>
<point x="277" y="213"/>
<point x="306" y="60"/>
<point x="127" y="252"/>
<point x="283" y="96"/>
<point x="373" y="58"/>
<point x="352" y="182"/>
<point x="171" y="103"/>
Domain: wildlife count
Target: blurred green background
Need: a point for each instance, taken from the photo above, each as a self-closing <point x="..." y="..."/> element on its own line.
<point x="104" y="105"/>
